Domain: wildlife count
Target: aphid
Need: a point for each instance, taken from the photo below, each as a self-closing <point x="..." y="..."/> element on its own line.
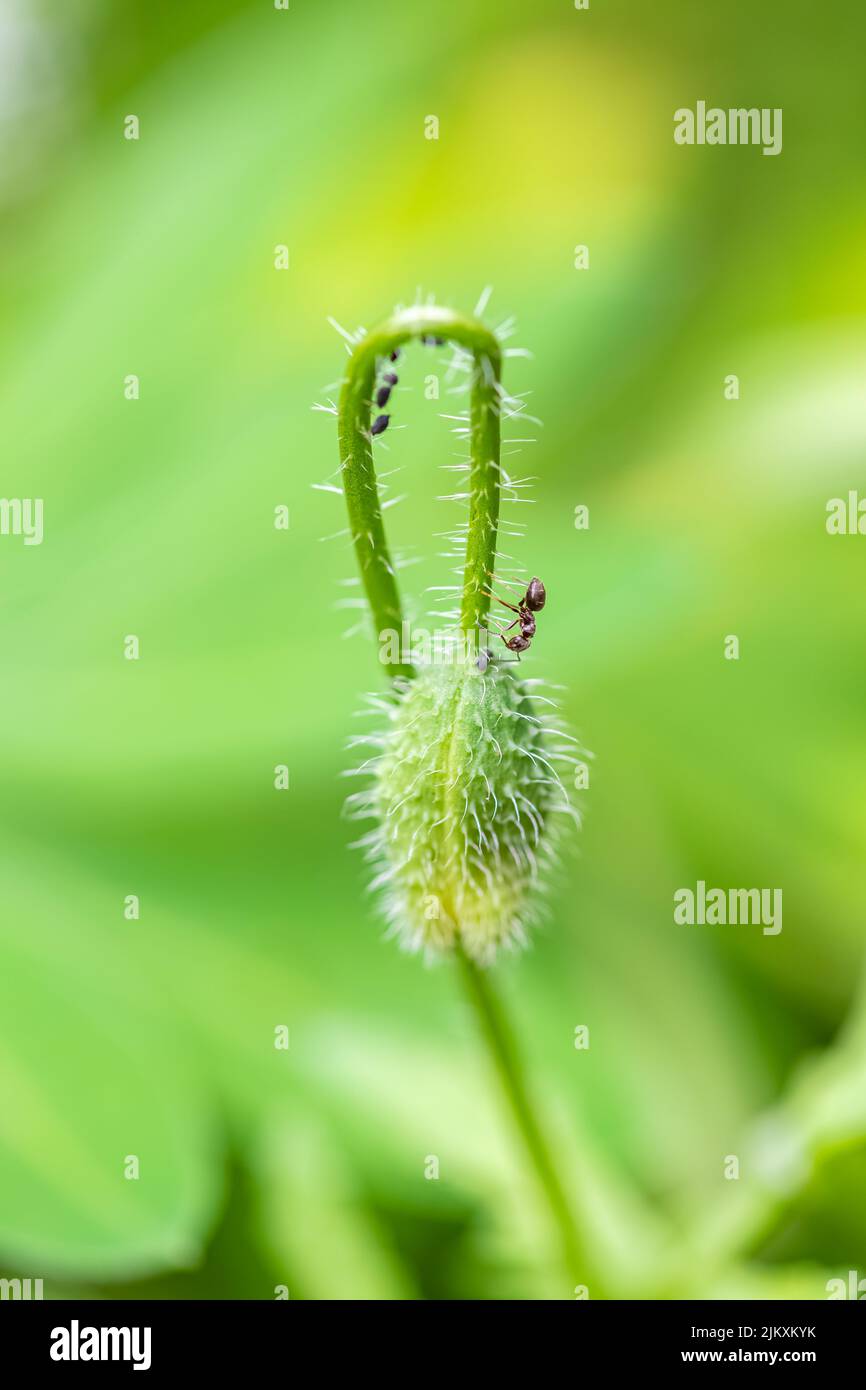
<point x="382" y="395"/>
<point x="395" y="354"/>
<point x="532" y="602"/>
<point x="380" y="424"/>
<point x="390" y="378"/>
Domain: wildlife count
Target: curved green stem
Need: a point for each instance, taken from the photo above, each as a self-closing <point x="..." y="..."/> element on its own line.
<point x="378" y="575"/>
<point x="500" y="1041"/>
<point x="359" y="474"/>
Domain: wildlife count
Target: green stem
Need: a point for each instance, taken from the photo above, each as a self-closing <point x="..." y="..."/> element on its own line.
<point x="359" y="474"/>
<point x="499" y="1038"/>
<point x="378" y="576"/>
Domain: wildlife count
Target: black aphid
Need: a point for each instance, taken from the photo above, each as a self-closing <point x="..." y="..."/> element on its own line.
<point x="380" y="424"/>
<point x="391" y="378"/>
<point x="395" y="354"/>
<point x="382" y="395"/>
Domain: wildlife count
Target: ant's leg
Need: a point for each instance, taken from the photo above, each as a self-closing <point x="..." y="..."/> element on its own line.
<point x="509" y="583"/>
<point x="512" y="606"/>
<point x="494" y="625"/>
<point x="503" y="579"/>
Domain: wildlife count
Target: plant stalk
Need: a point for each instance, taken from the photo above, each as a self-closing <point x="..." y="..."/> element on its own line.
<point x="369" y="356"/>
<point x="500" y="1040"/>
<point x="359" y="474"/>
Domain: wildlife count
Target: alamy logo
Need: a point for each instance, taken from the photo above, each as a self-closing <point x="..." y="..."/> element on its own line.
<point x="846" y="516"/>
<point x="737" y="126"/>
<point x="21" y="1288"/>
<point x="853" y="1287"/>
<point x="22" y="516"/>
<point x="419" y="647"/>
<point x="713" y="907"/>
<point x="76" y="1343"/>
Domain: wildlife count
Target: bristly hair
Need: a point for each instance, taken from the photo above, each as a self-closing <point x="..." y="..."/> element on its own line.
<point x="467" y="804"/>
<point x="465" y="793"/>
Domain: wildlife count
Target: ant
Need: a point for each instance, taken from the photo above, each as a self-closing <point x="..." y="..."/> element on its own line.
<point x="532" y="602"/>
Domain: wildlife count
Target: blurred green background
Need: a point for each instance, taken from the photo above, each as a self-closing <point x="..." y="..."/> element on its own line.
<point x="305" y="1167"/>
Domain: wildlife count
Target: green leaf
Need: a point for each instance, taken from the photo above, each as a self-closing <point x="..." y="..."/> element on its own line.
<point x="94" y="1071"/>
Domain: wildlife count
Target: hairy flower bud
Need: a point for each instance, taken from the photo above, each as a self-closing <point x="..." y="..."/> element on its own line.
<point x="464" y="795"/>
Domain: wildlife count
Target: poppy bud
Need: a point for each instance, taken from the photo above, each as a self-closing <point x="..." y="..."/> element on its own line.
<point x="464" y="796"/>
